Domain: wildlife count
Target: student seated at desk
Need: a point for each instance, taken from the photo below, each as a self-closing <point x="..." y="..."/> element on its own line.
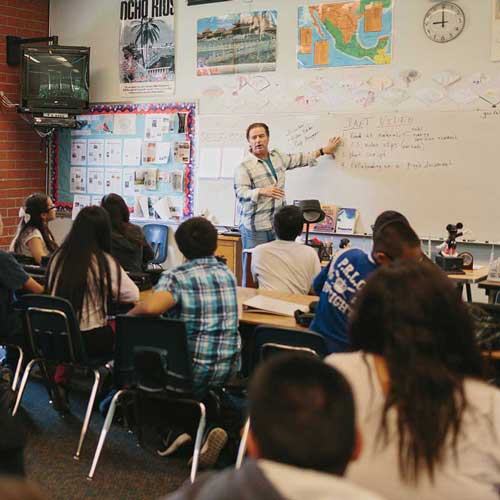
<point x="128" y="243"/>
<point x="202" y="293"/>
<point x="429" y="421"/>
<point x="34" y="238"/>
<point x="83" y="272"/>
<point x="284" y="265"/>
<point x="337" y="284"/>
<point x="301" y="439"/>
<point x="12" y="278"/>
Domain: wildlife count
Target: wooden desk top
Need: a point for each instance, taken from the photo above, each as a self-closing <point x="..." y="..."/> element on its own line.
<point x="489" y="284"/>
<point x="255" y="318"/>
<point x="470" y="277"/>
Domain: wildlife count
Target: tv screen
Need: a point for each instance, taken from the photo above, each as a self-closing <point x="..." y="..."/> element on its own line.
<point x="55" y="78"/>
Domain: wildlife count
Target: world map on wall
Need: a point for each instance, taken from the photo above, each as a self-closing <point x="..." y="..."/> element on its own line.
<point x="352" y="33"/>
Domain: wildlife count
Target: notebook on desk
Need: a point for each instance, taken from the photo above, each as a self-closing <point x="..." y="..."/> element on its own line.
<point x="268" y="305"/>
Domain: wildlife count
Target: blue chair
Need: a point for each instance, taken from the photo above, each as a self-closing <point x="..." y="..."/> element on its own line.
<point x="157" y="236"/>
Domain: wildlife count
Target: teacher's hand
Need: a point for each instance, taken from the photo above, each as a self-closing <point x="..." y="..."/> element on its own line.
<point x="332" y="145"/>
<point x="272" y="192"/>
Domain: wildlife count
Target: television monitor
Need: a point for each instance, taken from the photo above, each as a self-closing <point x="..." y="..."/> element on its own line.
<point x="54" y="78"/>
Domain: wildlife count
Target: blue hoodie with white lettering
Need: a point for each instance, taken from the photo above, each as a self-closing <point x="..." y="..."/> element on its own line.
<point x="336" y="286"/>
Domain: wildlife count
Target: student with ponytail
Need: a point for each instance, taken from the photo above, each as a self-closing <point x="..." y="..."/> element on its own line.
<point x="34" y="238"/>
<point x="430" y="423"/>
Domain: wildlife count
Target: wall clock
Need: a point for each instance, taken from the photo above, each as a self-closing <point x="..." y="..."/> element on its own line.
<point x="444" y="22"/>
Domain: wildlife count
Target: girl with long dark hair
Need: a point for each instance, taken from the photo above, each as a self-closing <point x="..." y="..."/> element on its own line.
<point x="34" y="238"/>
<point x="429" y="422"/>
<point x="128" y="244"/>
<point x="83" y="272"/>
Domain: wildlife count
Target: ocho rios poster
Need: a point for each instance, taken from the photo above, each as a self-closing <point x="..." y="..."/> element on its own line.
<point x="237" y="43"/>
<point x="349" y="33"/>
<point x="147" y="51"/>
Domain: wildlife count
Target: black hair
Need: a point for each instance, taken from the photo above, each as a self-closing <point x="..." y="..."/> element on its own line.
<point x="387" y="217"/>
<point x="80" y="267"/>
<point x="302" y="413"/>
<point x="196" y="237"/>
<point x="410" y="314"/>
<point x="392" y="236"/>
<point x="255" y="125"/>
<point x="35" y="205"/>
<point x="288" y="222"/>
<point x="119" y="215"/>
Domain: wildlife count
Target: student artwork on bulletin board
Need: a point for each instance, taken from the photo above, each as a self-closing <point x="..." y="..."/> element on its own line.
<point x="143" y="152"/>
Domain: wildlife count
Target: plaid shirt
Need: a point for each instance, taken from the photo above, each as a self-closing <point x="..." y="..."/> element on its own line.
<point x="205" y="294"/>
<point x="257" y="212"/>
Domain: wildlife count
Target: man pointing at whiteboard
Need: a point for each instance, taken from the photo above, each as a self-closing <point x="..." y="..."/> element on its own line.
<point x="259" y="183"/>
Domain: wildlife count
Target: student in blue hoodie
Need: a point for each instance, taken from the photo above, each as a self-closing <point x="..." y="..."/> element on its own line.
<point x="337" y="284"/>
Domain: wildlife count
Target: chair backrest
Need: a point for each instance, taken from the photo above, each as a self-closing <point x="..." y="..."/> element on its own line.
<point x="152" y="353"/>
<point x="52" y="328"/>
<point x="271" y="340"/>
<point x="157" y="236"/>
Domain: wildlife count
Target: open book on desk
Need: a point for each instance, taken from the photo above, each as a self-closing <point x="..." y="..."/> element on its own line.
<point x="268" y="305"/>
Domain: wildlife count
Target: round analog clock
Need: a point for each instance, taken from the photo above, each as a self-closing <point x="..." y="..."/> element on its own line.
<point x="444" y="21"/>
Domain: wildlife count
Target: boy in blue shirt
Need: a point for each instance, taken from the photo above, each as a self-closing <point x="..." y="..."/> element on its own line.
<point x="337" y="284"/>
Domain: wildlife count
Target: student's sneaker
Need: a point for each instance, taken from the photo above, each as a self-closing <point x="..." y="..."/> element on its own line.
<point x="174" y="442"/>
<point x="213" y="445"/>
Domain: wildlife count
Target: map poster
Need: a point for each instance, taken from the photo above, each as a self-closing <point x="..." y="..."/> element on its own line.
<point x="237" y="43"/>
<point x="347" y="33"/>
<point x="146" y="51"/>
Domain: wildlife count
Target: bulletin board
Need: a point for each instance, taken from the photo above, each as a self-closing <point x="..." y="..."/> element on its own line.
<point x="143" y="152"/>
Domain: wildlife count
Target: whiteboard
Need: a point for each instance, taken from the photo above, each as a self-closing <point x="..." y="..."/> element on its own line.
<point x="436" y="167"/>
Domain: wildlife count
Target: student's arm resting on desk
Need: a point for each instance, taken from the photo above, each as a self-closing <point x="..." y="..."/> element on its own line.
<point x="155" y="304"/>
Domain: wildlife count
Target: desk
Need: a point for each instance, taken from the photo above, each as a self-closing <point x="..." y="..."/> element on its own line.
<point x="468" y="278"/>
<point x="255" y="318"/>
<point x="491" y="288"/>
<point x="229" y="247"/>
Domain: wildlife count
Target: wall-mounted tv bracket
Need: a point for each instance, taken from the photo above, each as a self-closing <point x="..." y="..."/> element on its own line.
<point x="14" y="46"/>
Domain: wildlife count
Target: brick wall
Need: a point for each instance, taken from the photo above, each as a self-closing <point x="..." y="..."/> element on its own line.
<point x="22" y="152"/>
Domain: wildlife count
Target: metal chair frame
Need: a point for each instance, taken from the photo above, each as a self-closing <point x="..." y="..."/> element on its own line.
<point x="134" y="391"/>
<point x="40" y="360"/>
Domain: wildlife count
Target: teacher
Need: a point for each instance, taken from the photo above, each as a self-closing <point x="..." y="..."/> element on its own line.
<point x="259" y="183"/>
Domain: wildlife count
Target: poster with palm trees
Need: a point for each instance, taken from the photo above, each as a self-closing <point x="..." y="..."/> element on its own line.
<point x="147" y="56"/>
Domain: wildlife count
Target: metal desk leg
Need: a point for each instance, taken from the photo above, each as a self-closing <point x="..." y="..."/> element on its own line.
<point x="469" y="292"/>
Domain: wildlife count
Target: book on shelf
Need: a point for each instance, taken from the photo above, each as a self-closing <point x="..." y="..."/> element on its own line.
<point x="268" y="305"/>
<point x="346" y="220"/>
<point x="328" y="224"/>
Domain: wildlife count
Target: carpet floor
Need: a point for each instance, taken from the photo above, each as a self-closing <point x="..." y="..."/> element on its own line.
<point x="125" y="471"/>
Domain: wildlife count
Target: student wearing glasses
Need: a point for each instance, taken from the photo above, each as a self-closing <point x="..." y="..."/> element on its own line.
<point x="33" y="237"/>
<point x="337" y="283"/>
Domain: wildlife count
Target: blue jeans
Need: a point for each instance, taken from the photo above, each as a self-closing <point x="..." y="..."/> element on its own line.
<point x="251" y="239"/>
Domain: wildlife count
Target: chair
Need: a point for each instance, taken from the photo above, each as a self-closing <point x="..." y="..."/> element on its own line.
<point x="270" y="341"/>
<point x="152" y="359"/>
<point x="53" y="335"/>
<point x="157" y="236"/>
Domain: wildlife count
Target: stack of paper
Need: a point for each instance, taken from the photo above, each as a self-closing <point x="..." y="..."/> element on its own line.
<point x="263" y="304"/>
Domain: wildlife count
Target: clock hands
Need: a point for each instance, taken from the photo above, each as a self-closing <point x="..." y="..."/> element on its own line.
<point x="442" y="22"/>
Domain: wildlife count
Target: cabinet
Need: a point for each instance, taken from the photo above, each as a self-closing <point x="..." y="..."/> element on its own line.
<point x="229" y="247"/>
